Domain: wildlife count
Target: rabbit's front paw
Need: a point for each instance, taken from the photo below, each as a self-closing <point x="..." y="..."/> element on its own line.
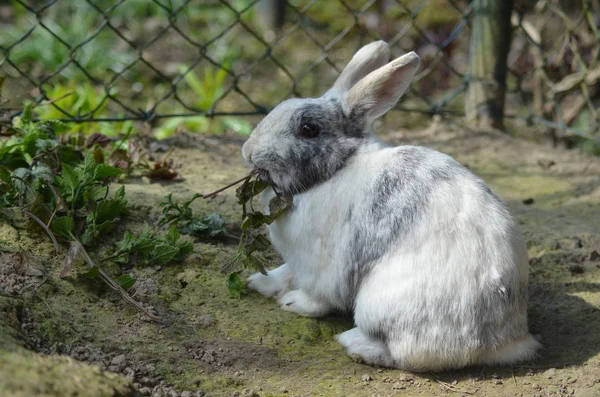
<point x="299" y="302"/>
<point x="276" y="282"/>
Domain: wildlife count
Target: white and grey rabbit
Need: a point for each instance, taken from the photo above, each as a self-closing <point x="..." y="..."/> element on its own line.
<point x="423" y="253"/>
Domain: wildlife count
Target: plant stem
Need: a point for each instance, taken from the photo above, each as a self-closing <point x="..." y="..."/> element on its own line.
<point x="112" y="284"/>
<point x="43" y="225"/>
<point x="244" y="179"/>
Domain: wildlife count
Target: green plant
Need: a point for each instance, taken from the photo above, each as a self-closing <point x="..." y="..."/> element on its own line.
<point x="52" y="185"/>
<point x="80" y="99"/>
<point x="253" y="242"/>
<point x="42" y="52"/>
<point x="207" y="91"/>
<point x="150" y="248"/>
<point x="208" y="227"/>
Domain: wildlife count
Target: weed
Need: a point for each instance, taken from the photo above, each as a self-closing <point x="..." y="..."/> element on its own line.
<point x="50" y="184"/>
<point x="208" y="90"/>
<point x="43" y="52"/>
<point x="253" y="242"/>
<point x="205" y="228"/>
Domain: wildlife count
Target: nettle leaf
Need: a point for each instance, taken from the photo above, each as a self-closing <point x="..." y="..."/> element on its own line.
<point x="20" y="177"/>
<point x="94" y="230"/>
<point x="250" y="189"/>
<point x="235" y="285"/>
<point x="127" y="243"/>
<point x="255" y="220"/>
<point x="45" y="145"/>
<point x="69" y="179"/>
<point x="125" y="281"/>
<point x="44" y="173"/>
<point x="185" y="248"/>
<point x="110" y="209"/>
<point x="252" y="262"/>
<point x="146" y="243"/>
<point x="255" y="241"/>
<point x="63" y="227"/>
<point x="30" y="142"/>
<point x="210" y="226"/>
<point x="105" y="171"/>
<point x="89" y="167"/>
<point x="173" y="235"/>
<point x="163" y="254"/>
<point x="95" y="193"/>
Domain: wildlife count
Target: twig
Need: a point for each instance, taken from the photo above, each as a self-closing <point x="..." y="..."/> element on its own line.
<point x="43" y="225"/>
<point x="42" y="283"/>
<point x="452" y="388"/>
<point x="47" y="305"/>
<point x="112" y="284"/>
<point x="246" y="178"/>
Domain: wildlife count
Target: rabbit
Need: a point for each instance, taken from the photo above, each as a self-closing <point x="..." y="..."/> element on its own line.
<point x="418" y="248"/>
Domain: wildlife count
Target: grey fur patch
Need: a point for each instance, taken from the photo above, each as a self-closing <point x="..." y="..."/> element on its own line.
<point x="314" y="160"/>
<point x="306" y="162"/>
<point x="399" y="198"/>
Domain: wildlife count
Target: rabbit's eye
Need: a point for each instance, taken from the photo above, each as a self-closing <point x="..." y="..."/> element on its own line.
<point x="308" y="130"/>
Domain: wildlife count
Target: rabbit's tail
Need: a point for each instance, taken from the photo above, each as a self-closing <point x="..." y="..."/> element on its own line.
<point x="520" y="349"/>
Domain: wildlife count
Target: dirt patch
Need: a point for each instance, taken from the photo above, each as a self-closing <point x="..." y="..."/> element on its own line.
<point x="211" y="344"/>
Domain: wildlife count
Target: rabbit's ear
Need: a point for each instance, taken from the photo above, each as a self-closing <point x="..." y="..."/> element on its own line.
<point x="367" y="59"/>
<point x="380" y="90"/>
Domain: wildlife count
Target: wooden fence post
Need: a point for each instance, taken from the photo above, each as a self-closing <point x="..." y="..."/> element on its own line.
<point x="490" y="43"/>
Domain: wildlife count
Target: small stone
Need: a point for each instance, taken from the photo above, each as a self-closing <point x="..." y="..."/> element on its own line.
<point x="497" y="382"/>
<point x="398" y="386"/>
<point x="454" y="382"/>
<point x="283" y="390"/>
<point x="118" y="360"/>
<point x="32" y="271"/>
<point x="536" y="386"/>
<point x="205" y="320"/>
<point x="367" y="378"/>
<point x="406" y="378"/>
<point x="145" y="391"/>
<point x="550" y="373"/>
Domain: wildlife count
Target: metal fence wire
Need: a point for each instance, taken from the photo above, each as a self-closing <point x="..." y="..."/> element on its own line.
<point x="148" y="60"/>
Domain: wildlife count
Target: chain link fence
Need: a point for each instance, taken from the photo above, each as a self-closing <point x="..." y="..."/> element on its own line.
<point x="150" y="60"/>
<point x="555" y="66"/>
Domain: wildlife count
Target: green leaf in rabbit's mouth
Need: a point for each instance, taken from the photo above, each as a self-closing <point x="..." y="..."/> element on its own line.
<point x="253" y="242"/>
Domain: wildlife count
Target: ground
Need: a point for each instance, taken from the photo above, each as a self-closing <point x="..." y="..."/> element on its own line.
<point x="75" y="337"/>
